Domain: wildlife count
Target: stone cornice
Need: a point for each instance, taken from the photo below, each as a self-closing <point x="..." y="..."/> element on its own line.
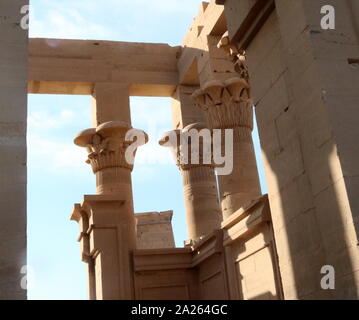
<point x="148" y="218"/>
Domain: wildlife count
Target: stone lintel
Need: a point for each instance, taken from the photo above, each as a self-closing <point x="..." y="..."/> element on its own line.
<point x="59" y="66"/>
<point x="87" y="88"/>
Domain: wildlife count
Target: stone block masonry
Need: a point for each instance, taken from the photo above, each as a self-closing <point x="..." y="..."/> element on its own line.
<point x="13" y="112"/>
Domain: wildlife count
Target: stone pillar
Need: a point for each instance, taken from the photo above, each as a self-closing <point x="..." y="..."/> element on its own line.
<point x="183" y="112"/>
<point x="228" y="106"/>
<point x="111" y="233"/>
<point x="199" y="184"/>
<point x="110" y="102"/>
<point x="13" y="113"/>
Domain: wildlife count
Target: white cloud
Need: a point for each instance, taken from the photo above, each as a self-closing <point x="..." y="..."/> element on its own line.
<point x="59" y="21"/>
<point x="112" y="20"/>
<point x="159" y="6"/>
<point x="54" y="155"/>
<point x="44" y="120"/>
<point x="49" y="139"/>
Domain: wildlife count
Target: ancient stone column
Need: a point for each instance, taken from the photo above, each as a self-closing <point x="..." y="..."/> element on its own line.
<point x="106" y="148"/>
<point x="111" y="233"/>
<point x="228" y="106"/>
<point x="199" y="181"/>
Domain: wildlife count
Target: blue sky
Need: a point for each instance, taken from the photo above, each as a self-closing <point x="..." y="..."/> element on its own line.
<point x="57" y="174"/>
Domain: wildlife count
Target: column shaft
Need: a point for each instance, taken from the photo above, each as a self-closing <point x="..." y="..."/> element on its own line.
<point x="114" y="180"/>
<point x="242" y="185"/>
<point x="201" y="201"/>
<point x="199" y="181"/>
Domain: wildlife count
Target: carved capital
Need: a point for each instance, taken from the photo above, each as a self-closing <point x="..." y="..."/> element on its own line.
<point x="107" y="144"/>
<point x="191" y="147"/>
<point x="227" y="104"/>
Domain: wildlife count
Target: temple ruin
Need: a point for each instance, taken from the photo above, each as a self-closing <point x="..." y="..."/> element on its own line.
<point x="238" y="57"/>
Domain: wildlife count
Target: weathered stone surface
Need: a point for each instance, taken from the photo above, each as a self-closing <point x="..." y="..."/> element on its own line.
<point x="74" y="66"/>
<point x="13" y="112"/>
<point x="301" y="80"/>
<point x="154" y="230"/>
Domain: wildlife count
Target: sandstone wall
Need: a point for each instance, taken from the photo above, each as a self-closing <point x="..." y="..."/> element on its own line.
<point x="305" y="90"/>
<point x="13" y="111"/>
<point x="154" y="230"/>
